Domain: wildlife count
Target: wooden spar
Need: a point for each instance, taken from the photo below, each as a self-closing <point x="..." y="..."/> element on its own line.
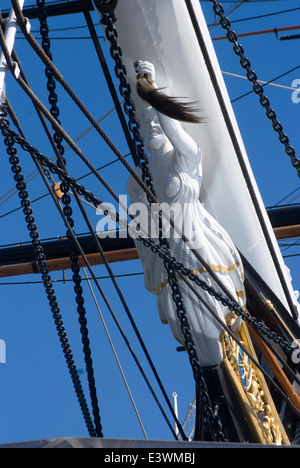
<point x="118" y="255"/>
<point x="276" y="368"/>
<point x="287" y="232"/>
<point x="20" y="260"/>
<point x="285" y="221"/>
<point x="65" y="263"/>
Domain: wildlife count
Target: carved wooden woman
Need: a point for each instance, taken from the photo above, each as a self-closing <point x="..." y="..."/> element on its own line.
<point x="176" y="166"/>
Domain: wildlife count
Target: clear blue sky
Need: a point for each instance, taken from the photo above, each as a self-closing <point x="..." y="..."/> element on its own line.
<point x="37" y="399"/>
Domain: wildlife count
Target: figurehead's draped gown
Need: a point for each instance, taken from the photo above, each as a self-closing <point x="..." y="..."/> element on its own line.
<point x="215" y="247"/>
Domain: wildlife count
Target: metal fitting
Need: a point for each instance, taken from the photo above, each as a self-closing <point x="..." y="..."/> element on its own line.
<point x="105" y="6"/>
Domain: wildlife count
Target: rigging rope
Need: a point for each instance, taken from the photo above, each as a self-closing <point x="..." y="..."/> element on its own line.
<point x="31" y="176"/>
<point x="115" y="354"/>
<point x="108" y="78"/>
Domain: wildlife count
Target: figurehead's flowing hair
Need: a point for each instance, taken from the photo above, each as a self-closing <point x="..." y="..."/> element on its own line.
<point x="164" y="104"/>
<point x="167" y="105"/>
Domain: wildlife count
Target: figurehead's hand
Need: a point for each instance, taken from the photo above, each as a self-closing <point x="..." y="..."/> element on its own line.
<point x="145" y="70"/>
<point x="148" y="90"/>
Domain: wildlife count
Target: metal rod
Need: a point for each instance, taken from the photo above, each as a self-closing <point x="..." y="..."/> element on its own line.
<point x="175" y="406"/>
<point x="115" y="354"/>
<point x="9" y="36"/>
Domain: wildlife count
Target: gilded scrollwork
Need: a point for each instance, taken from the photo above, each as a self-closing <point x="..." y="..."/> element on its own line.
<point x="251" y="384"/>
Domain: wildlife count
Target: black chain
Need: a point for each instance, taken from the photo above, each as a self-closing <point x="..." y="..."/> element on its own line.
<point x="125" y="90"/>
<point x="66" y="199"/>
<point x="257" y="87"/>
<point x="41" y="261"/>
<point x="172" y="265"/>
<point x="164" y="253"/>
<point x="51" y="84"/>
<point x="67" y="209"/>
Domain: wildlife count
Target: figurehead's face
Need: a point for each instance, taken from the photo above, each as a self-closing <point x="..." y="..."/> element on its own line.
<point x="152" y="132"/>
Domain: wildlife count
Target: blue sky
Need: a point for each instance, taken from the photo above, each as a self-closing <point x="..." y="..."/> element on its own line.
<point x="37" y="399"/>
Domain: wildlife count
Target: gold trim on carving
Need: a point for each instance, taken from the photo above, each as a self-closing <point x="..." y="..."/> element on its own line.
<point x="252" y="391"/>
<point x="216" y="268"/>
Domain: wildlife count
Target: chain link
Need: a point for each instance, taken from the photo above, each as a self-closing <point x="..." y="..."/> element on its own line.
<point x="257" y="87"/>
<point x="66" y="199"/>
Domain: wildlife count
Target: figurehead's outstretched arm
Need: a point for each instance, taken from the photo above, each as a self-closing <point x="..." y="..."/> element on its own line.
<point x="180" y="139"/>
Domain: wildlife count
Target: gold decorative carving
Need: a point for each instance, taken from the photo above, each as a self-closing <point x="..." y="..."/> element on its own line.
<point x="252" y="391"/>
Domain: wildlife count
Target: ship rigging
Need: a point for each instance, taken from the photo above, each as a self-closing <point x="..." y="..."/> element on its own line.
<point x="270" y="318"/>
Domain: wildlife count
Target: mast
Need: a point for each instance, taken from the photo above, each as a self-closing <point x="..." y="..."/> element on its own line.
<point x="285" y="221"/>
